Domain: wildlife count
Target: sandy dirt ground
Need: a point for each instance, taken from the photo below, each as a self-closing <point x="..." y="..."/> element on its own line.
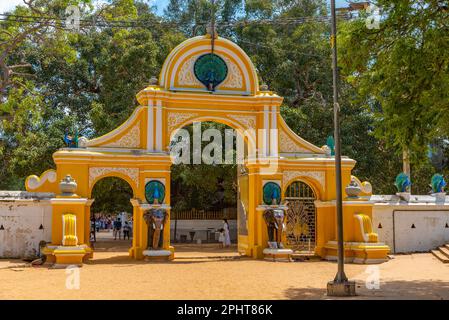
<point x="209" y="273"/>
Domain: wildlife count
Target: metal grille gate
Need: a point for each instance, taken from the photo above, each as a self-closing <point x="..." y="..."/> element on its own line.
<point x="301" y="217"/>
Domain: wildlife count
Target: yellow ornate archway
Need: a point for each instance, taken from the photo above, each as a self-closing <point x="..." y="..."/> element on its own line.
<point x="138" y="150"/>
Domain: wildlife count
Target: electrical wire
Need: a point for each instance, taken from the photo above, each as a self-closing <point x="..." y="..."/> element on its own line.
<point x="61" y="22"/>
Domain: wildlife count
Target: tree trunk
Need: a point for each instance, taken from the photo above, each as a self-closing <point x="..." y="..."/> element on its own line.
<point x="406" y="161"/>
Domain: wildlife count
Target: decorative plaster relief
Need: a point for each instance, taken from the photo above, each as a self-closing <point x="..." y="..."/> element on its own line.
<point x="234" y="79"/>
<point x="249" y="122"/>
<point x="130" y="140"/>
<point x="95" y="172"/>
<point x="176" y="118"/>
<point x="289" y="176"/>
<point x="287" y="144"/>
<point x="186" y="75"/>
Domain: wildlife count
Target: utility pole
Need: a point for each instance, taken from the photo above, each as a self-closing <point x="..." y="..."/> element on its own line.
<point x="340" y="286"/>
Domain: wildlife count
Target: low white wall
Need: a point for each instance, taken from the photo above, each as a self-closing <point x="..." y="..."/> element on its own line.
<point x="21" y="214"/>
<point x="185" y="226"/>
<point x="393" y="221"/>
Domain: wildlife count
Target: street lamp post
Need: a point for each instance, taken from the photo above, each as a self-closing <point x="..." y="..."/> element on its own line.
<point x="340" y="286"/>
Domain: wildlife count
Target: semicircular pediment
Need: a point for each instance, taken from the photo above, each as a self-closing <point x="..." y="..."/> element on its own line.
<point x="236" y="76"/>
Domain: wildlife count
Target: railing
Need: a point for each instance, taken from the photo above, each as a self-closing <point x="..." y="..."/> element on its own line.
<point x="193" y="214"/>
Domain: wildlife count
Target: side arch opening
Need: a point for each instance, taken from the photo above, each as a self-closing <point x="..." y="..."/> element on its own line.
<point x="111" y="217"/>
<point x="301" y="216"/>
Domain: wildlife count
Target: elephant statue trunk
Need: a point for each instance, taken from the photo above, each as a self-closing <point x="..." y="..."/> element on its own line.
<point x="275" y="218"/>
<point x="155" y="219"/>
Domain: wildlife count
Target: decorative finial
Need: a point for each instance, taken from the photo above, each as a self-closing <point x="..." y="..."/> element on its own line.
<point x="212" y="31"/>
<point x="153" y="81"/>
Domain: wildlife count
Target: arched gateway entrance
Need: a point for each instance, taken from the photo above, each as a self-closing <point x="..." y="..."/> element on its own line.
<point x="201" y="80"/>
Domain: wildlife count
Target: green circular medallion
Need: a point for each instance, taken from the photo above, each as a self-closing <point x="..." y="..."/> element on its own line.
<point x="211" y="70"/>
<point x="271" y="191"/>
<point x="154" y="189"/>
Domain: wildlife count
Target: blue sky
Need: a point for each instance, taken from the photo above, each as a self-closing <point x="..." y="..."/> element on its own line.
<point x="6" y="5"/>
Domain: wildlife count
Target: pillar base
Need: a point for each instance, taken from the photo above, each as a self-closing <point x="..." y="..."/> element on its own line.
<point x="63" y="256"/>
<point x="157" y="255"/>
<point x="341" y="289"/>
<point x="278" y="254"/>
<point x="359" y="252"/>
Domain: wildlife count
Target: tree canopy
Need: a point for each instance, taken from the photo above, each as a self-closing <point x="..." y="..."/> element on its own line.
<point x="393" y="89"/>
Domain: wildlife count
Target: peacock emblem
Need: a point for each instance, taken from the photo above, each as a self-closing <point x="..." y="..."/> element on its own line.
<point x="437" y="183"/>
<point x="297" y="225"/>
<point x="402" y="182"/>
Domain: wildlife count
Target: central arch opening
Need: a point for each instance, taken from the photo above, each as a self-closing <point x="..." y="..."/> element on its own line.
<point x="205" y="195"/>
<point x="111" y="217"/>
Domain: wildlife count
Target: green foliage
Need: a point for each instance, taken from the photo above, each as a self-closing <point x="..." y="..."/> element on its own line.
<point x="112" y="196"/>
<point x="393" y="93"/>
<point x="399" y="71"/>
<point x="203" y="186"/>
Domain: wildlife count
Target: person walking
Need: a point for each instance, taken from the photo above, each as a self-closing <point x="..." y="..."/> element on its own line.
<point x="221" y="238"/>
<point x="117" y="229"/>
<point x="93" y="236"/>
<point x="227" y="237"/>
<point x="126" y="230"/>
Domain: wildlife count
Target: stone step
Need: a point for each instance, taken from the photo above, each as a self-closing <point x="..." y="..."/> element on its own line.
<point x="447" y="245"/>
<point x="440" y="256"/>
<point x="444" y="251"/>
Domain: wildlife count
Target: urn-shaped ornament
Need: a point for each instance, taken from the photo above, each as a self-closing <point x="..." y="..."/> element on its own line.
<point x="353" y="190"/>
<point x="68" y="185"/>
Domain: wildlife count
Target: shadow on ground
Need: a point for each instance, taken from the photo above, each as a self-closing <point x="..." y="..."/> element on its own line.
<point x="402" y="290"/>
<point x="112" y="245"/>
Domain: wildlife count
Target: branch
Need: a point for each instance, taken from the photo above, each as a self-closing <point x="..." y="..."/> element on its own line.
<point x="25" y="65"/>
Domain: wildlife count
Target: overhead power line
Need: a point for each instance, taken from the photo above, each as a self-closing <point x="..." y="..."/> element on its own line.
<point x="101" y="22"/>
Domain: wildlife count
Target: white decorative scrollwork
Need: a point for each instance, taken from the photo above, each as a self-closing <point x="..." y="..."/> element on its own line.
<point x="176" y="118"/>
<point x="288" y="145"/>
<point x="234" y="80"/>
<point x="95" y="172"/>
<point x="33" y="182"/>
<point x="365" y="186"/>
<point x="249" y="122"/>
<point x="186" y="74"/>
<point x="319" y="176"/>
<point x="130" y="140"/>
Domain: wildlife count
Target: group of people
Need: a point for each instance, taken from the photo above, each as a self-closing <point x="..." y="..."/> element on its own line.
<point x="103" y="222"/>
<point x="109" y="223"/>
<point x="119" y="229"/>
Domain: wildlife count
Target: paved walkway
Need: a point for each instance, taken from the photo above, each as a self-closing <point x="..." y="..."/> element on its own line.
<point x="113" y="275"/>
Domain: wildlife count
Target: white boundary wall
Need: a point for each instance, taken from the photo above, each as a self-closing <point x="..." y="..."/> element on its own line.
<point x="393" y="221"/>
<point x="21" y="214"/>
